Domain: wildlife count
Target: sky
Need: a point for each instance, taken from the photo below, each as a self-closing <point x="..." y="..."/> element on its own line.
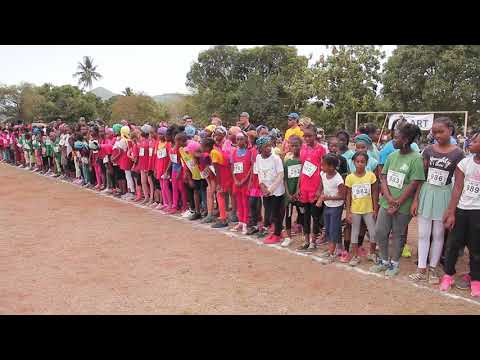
<point x="152" y="69"/>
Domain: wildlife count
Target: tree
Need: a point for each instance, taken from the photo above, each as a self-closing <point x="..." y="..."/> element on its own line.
<point x="138" y="109"/>
<point x="20" y="102"/>
<point x="87" y="73"/>
<point x="128" y="92"/>
<point x="433" y="78"/>
<point x="349" y="78"/>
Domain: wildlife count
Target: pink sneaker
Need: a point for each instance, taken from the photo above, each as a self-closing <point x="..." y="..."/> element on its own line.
<point x="344" y="257"/>
<point x="475" y="286"/>
<point x="446" y="283"/>
<point x="362" y="251"/>
<point x="272" y="239"/>
<point x="172" y="211"/>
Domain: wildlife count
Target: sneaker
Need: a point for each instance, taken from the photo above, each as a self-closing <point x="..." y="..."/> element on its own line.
<point x="328" y="260"/>
<point x="237" y="228"/>
<point x="354" y="261"/>
<point x="325" y="254"/>
<point x="407" y="252"/>
<point x="273" y="239"/>
<point x="304" y="247"/>
<point x="244" y="229"/>
<point x="392" y="270"/>
<point x="220" y="224"/>
<point x="464" y="282"/>
<point x="475" y="286"/>
<point x="373" y="258"/>
<point x="172" y="211"/>
<point x="322" y="239"/>
<point x="187" y="213"/>
<point x="418" y="276"/>
<point x="286" y="242"/>
<point x="380" y="267"/>
<point x="262" y="233"/>
<point x="252" y="230"/>
<point x="195" y="216"/>
<point x="233" y="218"/>
<point x="312" y="246"/>
<point x="207" y="219"/>
<point x="433" y="278"/>
<point x="446" y="283"/>
<point x="344" y="257"/>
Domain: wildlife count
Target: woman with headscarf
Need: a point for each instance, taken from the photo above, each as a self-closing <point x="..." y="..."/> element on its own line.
<point x="363" y="143"/>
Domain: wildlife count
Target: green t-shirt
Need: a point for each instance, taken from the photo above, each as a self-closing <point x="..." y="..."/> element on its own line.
<point x="292" y="168"/>
<point x="48" y="144"/>
<point x="401" y="170"/>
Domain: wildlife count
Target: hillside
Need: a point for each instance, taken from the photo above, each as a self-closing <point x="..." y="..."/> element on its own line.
<point x="103" y="93"/>
<point x="168" y="97"/>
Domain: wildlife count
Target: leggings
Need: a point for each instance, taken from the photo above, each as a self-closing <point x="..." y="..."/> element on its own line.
<point x="464" y="233"/>
<point x="130" y="183"/>
<point x="222" y="207"/>
<point x="315" y="212"/>
<point x="254" y="211"/>
<point x="357" y="224"/>
<point x="397" y="224"/>
<point x="242" y="206"/>
<point x="178" y="189"/>
<point x="273" y="209"/>
<point x="86" y="173"/>
<point x="289" y="213"/>
<point x="190" y="196"/>
<point x="78" y="172"/>
<point x="166" y="192"/>
<point x="427" y="227"/>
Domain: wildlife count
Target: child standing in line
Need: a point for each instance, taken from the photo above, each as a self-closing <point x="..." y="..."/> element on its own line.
<point x="311" y="155"/>
<point x="433" y="197"/>
<point x="205" y="166"/>
<point x="254" y="193"/>
<point x="161" y="164"/>
<point x="194" y="179"/>
<point x="178" y="186"/>
<point x="362" y="203"/>
<point x="463" y="219"/>
<point x="292" y="168"/>
<point x="241" y="171"/>
<point x="332" y="196"/>
<point x="269" y="168"/>
<point x="125" y="163"/>
<point x="401" y="174"/>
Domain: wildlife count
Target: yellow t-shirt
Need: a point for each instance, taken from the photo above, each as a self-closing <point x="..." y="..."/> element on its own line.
<point x="361" y="187"/>
<point x="293" y="131"/>
<point x="191" y="164"/>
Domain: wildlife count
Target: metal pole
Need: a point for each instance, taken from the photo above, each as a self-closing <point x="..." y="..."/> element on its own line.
<point x="466" y="123"/>
<point x="356" y="122"/>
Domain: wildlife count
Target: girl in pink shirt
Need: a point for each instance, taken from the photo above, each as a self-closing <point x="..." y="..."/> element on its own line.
<point x="162" y="161"/>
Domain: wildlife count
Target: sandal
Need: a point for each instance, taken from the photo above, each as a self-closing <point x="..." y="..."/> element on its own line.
<point x="418" y="276"/>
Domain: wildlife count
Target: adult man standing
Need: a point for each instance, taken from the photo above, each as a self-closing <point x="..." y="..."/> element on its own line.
<point x="215" y="120"/>
<point x="187" y="120"/>
<point x="244" y="122"/>
<point x="293" y="129"/>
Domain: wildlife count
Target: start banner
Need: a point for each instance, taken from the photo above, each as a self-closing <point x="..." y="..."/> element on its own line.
<point x="423" y="121"/>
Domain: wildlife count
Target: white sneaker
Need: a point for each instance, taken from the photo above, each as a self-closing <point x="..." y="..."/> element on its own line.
<point x="286" y="242"/>
<point x="187" y="213"/>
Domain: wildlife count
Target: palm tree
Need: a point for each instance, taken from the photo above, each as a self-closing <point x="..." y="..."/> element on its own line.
<point x="128" y="92"/>
<point x="87" y="73"/>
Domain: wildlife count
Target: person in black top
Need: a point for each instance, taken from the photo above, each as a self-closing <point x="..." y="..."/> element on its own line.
<point x="342" y="167"/>
<point x="244" y="122"/>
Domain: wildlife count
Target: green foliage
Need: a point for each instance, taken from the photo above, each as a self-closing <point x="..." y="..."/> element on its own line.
<point x="138" y="109"/>
<point x="87" y="73"/>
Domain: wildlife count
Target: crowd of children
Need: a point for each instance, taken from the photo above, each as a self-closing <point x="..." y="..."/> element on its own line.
<point x="273" y="187"/>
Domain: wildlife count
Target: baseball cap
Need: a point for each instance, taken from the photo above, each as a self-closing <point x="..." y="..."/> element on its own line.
<point x="245" y="114"/>
<point x="294" y="115"/>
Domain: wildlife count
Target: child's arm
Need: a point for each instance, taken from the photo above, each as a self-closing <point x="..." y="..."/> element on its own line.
<point x="340" y="194"/>
<point x="348" y="205"/>
<point x="276" y="182"/>
<point x="449" y="216"/>
<point x="375" y="199"/>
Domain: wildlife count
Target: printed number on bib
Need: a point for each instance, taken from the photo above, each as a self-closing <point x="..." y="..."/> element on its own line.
<point x="150" y="151"/>
<point x="141" y="152"/>
<point x="238" y="168"/>
<point x="294" y="171"/>
<point x="105" y="159"/>
<point x="161" y="153"/>
<point x="360" y="191"/>
<point x="308" y="168"/>
<point x="55" y="148"/>
<point x="204" y="174"/>
<point x="472" y="188"/>
<point x="437" y="177"/>
<point x="395" y="179"/>
<point x="173" y="158"/>
<point x="44" y="151"/>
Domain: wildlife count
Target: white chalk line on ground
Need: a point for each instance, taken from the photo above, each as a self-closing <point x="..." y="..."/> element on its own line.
<point x="260" y="243"/>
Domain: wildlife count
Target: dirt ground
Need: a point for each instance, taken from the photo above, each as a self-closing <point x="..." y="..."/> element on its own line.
<point x="66" y="250"/>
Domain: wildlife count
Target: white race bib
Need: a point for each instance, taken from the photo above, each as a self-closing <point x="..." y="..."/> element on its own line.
<point x="150" y="152"/>
<point x="294" y="171"/>
<point x="238" y="168"/>
<point x="472" y="189"/>
<point x="48" y="142"/>
<point x="212" y="169"/>
<point x="44" y="151"/>
<point x="308" y="168"/>
<point x="437" y="177"/>
<point x="204" y="174"/>
<point x="55" y="148"/>
<point x="395" y="179"/>
<point x="105" y="159"/>
<point x="141" y="152"/>
<point x="85" y="160"/>
<point x="161" y="153"/>
<point x="361" y="190"/>
<point x="173" y="158"/>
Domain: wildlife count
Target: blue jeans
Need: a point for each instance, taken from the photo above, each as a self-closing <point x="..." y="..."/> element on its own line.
<point x="332" y="217"/>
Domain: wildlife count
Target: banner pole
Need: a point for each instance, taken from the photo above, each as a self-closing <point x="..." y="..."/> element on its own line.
<point x="381" y="132"/>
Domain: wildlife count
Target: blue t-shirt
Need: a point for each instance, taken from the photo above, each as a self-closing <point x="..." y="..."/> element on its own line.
<point x="388" y="149"/>
<point x="371" y="164"/>
<point x="348" y="154"/>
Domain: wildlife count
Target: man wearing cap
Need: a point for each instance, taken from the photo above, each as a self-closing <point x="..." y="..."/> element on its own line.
<point x="187" y="120"/>
<point x="293" y="129"/>
<point x="244" y="122"/>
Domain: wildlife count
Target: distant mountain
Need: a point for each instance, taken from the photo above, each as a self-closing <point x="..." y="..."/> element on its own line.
<point x="168" y="97"/>
<point x="103" y="93"/>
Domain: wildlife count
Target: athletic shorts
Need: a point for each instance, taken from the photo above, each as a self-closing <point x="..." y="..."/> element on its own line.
<point x="156" y="183"/>
<point x="200" y="185"/>
<point x="118" y="173"/>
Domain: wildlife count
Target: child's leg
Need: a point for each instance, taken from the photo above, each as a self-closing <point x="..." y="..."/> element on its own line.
<point x="196" y="196"/>
<point x="424" y="231"/>
<point x="190" y="196"/>
<point x="210" y="195"/>
<point x="399" y="225"/>
<point x="356" y="219"/>
<point x="437" y="244"/>
<point x="268" y="206"/>
<point x="473" y="243"/>
<point x="145" y="187"/>
<point x="382" y="231"/>
<point x="307" y="221"/>
<point x="316" y="216"/>
<point x="221" y="206"/>
<point x="151" y="186"/>
<point x="130" y="184"/>
<point x="370" y="222"/>
<point x="240" y="209"/>
<point x="288" y="218"/>
<point x="175" y="190"/>
<point x="166" y="194"/>
<point x="253" y="215"/>
<point x="457" y="240"/>
<point x="300" y="212"/>
<point x="277" y="211"/>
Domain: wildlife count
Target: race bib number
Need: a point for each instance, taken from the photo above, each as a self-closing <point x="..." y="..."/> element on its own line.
<point x="361" y="190"/>
<point x="472" y="189"/>
<point x="141" y="152"/>
<point x="204" y="174"/>
<point x="27" y="147"/>
<point x="105" y="159"/>
<point x="150" y="152"/>
<point x="44" y="151"/>
<point x="161" y="153"/>
<point x="238" y="168"/>
<point x="56" y="148"/>
<point x="308" y="168"/>
<point x="173" y="158"/>
<point x="437" y="177"/>
<point x="395" y="179"/>
<point x="294" y="171"/>
<point x="85" y="160"/>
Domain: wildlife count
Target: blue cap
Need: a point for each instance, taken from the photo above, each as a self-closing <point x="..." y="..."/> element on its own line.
<point x="294" y="116"/>
<point x="190" y="130"/>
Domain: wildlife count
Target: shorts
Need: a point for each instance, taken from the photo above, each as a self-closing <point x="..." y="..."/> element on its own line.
<point x="200" y="185"/>
<point x="70" y="165"/>
<point x="118" y="173"/>
<point x="156" y="183"/>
